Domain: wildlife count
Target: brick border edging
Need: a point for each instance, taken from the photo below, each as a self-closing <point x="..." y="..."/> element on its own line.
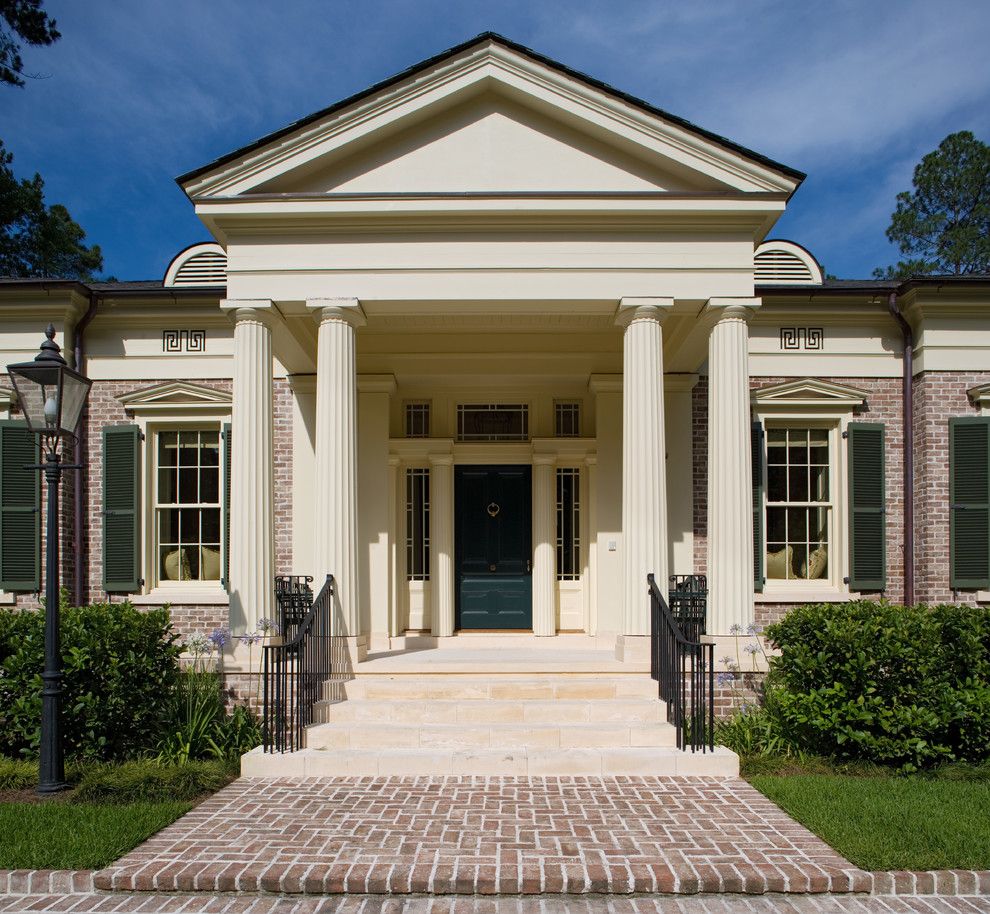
<point x="971" y="883"/>
<point x="47" y="882"/>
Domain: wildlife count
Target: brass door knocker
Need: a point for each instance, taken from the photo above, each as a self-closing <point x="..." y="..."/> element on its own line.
<point x="493" y="510"/>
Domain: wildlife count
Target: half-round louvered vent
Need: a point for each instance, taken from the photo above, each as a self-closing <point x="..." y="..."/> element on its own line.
<point x="199" y="265"/>
<point x="785" y="263"/>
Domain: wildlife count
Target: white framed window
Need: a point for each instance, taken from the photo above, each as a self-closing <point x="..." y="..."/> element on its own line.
<point x="566" y="419"/>
<point x="417" y="524"/>
<point x="188" y="505"/>
<point x="417" y="419"/>
<point x="568" y="524"/>
<point x="799" y="503"/>
<point x="492" y="422"/>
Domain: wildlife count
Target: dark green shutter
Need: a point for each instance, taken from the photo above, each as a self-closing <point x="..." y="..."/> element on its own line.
<point x="121" y="509"/>
<point x="226" y="506"/>
<point x="20" y="514"/>
<point x="969" y="503"/>
<point x="867" y="507"/>
<point x="756" y="437"/>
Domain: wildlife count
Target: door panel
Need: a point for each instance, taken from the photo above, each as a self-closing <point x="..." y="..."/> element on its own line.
<point x="493" y="530"/>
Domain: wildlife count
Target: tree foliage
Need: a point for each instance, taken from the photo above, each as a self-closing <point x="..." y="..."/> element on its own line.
<point x="22" y="20"/>
<point x="37" y="240"/>
<point x="943" y="225"/>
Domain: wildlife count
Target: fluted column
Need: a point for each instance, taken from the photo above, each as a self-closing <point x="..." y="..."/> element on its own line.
<point x="544" y="546"/>
<point x="394" y="533"/>
<point x="336" y="532"/>
<point x="442" y="545"/>
<point x="252" y="483"/>
<point x="730" y="477"/>
<point x="644" y="480"/>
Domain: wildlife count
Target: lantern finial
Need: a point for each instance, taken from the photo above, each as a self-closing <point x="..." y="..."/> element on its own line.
<point x="50" y="350"/>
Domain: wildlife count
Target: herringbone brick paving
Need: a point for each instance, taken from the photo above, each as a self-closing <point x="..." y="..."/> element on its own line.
<point x="505" y="835"/>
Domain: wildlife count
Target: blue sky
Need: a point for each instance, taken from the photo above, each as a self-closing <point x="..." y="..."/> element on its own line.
<point x="853" y="92"/>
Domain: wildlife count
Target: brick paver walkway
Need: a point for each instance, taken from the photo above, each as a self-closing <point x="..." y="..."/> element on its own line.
<point x="384" y="904"/>
<point x="485" y="836"/>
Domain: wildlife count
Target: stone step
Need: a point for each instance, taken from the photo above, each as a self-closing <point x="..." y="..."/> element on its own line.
<point x="493" y="711"/>
<point x="641" y="761"/>
<point x="375" y="735"/>
<point x="499" y="688"/>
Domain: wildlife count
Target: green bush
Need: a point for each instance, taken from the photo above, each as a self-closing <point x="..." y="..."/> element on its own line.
<point x="147" y="780"/>
<point x="121" y="667"/>
<point x="896" y="685"/>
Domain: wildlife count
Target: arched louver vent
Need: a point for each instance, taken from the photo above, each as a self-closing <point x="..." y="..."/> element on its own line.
<point x="199" y="265"/>
<point x="787" y="263"/>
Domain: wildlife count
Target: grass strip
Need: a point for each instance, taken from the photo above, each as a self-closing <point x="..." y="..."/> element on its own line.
<point x="891" y="823"/>
<point x="61" y="835"/>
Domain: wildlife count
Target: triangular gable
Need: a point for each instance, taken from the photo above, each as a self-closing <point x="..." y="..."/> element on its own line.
<point x="809" y="393"/>
<point x="980" y="395"/>
<point x="486" y="66"/>
<point x="177" y="396"/>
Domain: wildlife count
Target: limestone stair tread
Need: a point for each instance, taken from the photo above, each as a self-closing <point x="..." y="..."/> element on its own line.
<point x="523" y="762"/>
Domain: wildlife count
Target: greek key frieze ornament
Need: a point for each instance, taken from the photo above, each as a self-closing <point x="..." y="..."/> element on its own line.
<point x="493" y="510"/>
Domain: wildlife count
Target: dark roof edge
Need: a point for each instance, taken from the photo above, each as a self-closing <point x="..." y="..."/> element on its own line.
<point x="852" y="286"/>
<point x="520" y="49"/>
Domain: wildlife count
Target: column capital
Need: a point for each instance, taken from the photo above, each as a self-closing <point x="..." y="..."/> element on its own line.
<point x="348" y="310"/>
<point x="441" y="460"/>
<point x="544" y="460"/>
<point x="634" y="309"/>
<point x="256" y="310"/>
<point x="732" y="308"/>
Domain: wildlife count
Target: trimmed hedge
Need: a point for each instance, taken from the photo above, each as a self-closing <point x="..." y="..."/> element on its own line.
<point x="897" y="685"/>
<point x="121" y="671"/>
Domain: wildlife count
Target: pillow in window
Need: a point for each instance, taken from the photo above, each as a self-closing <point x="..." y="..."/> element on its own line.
<point x="177" y="565"/>
<point x="815" y="567"/>
<point x="210" y="564"/>
<point x="779" y="563"/>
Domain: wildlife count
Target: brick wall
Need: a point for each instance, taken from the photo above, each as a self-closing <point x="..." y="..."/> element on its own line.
<point x="938" y="396"/>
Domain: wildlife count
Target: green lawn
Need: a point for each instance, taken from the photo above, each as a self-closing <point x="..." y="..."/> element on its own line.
<point x="61" y="835"/>
<point x="890" y="823"/>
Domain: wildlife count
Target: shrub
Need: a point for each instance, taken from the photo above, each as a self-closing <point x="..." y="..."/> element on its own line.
<point x="121" y="666"/>
<point x="148" y="780"/>
<point x="904" y="686"/>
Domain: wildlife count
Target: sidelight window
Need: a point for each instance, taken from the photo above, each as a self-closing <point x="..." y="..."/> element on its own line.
<point x="418" y="524"/>
<point x="568" y="524"/>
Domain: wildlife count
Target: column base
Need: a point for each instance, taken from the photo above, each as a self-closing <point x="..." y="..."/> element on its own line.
<point x="632" y="648"/>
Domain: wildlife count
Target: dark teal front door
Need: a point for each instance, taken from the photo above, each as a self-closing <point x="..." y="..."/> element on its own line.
<point x="493" y="529"/>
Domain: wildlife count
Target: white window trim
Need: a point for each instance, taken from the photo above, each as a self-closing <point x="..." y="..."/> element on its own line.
<point x="811" y="403"/>
<point x="7" y="399"/>
<point x="175" y="406"/>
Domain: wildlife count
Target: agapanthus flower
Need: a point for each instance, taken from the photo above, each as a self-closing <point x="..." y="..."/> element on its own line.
<point x="754" y="629"/>
<point x="268" y="626"/>
<point x="752" y="648"/>
<point x="198" y="643"/>
<point x="251" y="638"/>
<point x="725" y="679"/>
<point x="735" y="629"/>
<point x="220" y="638"/>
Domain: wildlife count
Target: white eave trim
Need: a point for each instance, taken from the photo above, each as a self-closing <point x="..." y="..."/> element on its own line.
<point x="458" y="76"/>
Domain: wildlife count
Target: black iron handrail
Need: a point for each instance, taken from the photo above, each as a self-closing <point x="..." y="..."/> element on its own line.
<point x="688" y="599"/>
<point x="294" y="674"/>
<point x="685" y="672"/>
<point x="294" y="598"/>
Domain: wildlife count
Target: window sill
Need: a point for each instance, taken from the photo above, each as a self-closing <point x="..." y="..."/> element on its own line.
<point x="823" y="594"/>
<point x="983" y="596"/>
<point x="177" y="594"/>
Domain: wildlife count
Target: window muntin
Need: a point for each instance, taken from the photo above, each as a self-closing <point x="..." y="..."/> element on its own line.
<point x="567" y="419"/>
<point x="187" y="505"/>
<point x="493" y="422"/>
<point x="798" y="504"/>
<point x="417" y="524"/>
<point x="568" y="524"/>
<point x="418" y="419"/>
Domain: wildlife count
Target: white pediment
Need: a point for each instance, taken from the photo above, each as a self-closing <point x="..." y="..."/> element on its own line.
<point x="809" y="393"/>
<point x="980" y="396"/>
<point x="177" y="396"/>
<point x="489" y="117"/>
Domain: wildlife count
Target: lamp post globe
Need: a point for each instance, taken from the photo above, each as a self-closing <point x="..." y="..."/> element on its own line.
<point x="52" y="397"/>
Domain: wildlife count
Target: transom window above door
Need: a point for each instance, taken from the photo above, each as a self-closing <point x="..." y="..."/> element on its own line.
<point x="493" y="422"/>
<point x="798" y="504"/>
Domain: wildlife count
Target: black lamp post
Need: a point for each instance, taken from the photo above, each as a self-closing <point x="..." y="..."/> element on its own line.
<point x="51" y="396"/>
